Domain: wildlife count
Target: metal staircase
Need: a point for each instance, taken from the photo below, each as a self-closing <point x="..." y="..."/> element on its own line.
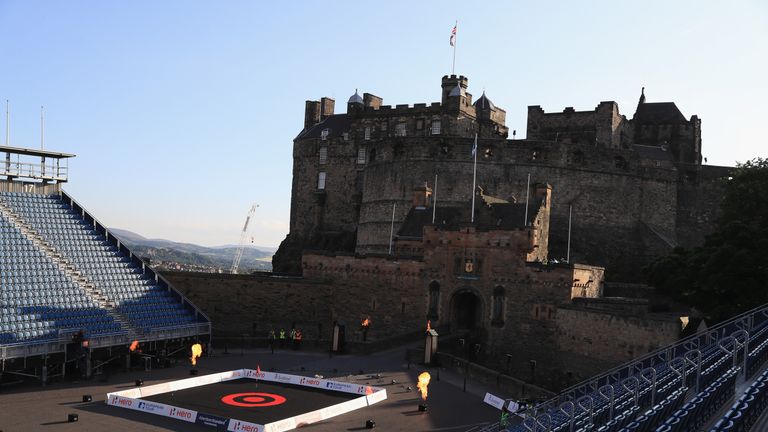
<point x="69" y="269"/>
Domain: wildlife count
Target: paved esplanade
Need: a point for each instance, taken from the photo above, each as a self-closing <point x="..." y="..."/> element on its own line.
<point x="32" y="408"/>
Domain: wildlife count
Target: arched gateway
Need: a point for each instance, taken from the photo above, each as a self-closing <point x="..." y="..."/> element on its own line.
<point x="466" y="310"/>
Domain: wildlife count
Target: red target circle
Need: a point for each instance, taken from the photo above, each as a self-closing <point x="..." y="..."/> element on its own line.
<point x="252" y="400"/>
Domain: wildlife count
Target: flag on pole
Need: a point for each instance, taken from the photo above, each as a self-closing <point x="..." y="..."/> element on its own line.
<point x="474" y="147"/>
<point x="453" y="36"/>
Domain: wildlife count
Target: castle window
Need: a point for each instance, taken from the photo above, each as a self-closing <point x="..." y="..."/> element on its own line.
<point x="361" y="155"/>
<point x="578" y="157"/>
<point x="497" y="318"/>
<point x="323" y="155"/>
<point x="620" y="162"/>
<point x="435" y="127"/>
<point x="324" y="134"/>
<point x="345" y="136"/>
<point x="367" y="133"/>
<point x="419" y="124"/>
<point x="400" y="129"/>
<point x="434" y="301"/>
<point x="321" y="181"/>
<point x="384" y="125"/>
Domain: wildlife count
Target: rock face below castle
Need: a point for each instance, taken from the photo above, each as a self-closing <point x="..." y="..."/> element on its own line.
<point x="633" y="188"/>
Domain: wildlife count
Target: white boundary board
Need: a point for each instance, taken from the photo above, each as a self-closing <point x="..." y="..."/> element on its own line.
<point x="132" y="399"/>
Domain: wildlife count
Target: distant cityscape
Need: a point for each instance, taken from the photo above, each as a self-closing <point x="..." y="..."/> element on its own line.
<point x="165" y="255"/>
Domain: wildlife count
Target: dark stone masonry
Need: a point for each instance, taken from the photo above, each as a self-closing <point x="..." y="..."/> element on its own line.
<point x="372" y="235"/>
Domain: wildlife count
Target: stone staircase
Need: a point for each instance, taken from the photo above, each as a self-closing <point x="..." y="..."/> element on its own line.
<point x="69" y="269"/>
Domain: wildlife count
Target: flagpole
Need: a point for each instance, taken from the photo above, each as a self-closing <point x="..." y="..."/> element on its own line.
<point x="7" y="123"/>
<point x="527" y="192"/>
<point x="455" y="42"/>
<point x="434" y="201"/>
<point x="570" y="213"/>
<point x="392" y="228"/>
<point x="42" y="128"/>
<point x="474" y="179"/>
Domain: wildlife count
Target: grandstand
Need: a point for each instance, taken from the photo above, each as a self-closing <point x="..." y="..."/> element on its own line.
<point x="715" y="380"/>
<point x="65" y="277"/>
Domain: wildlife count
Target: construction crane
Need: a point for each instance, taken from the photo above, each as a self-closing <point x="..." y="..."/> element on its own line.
<point x="243" y="236"/>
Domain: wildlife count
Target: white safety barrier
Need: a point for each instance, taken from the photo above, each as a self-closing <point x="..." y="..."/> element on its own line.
<point x="132" y="399"/>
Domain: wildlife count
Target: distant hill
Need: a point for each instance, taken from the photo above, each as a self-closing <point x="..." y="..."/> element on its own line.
<point x="166" y="253"/>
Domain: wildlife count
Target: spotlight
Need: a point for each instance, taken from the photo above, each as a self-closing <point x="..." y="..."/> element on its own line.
<point x="408" y="388"/>
<point x="370" y="424"/>
<point x="422" y="407"/>
<point x="87" y="398"/>
<point x="139" y="382"/>
<point x="394" y="382"/>
<point x="193" y="372"/>
<point x="71" y="418"/>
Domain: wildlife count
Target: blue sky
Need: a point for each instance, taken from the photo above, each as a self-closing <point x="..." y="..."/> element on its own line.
<point x="182" y="113"/>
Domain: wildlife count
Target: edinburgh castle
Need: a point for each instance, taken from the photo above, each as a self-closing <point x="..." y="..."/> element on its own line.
<point x="552" y="245"/>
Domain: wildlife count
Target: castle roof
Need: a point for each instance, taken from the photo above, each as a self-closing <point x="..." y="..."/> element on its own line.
<point x="653" y="152"/>
<point x="484" y="102"/>
<point x="355" y="98"/>
<point x="496" y="215"/>
<point x="336" y="124"/>
<point x="658" y="113"/>
<point x="457" y="91"/>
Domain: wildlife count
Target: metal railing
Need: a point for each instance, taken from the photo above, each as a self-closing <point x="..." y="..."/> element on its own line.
<point x="684" y="358"/>
<point x="34" y="170"/>
<point x="112" y="239"/>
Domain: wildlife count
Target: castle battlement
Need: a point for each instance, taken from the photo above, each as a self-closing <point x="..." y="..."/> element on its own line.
<point x="628" y="187"/>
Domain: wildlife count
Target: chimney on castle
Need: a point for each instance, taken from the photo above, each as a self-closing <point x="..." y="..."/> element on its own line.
<point x="372" y="101"/>
<point x="326" y="107"/>
<point x="311" y="114"/>
<point x="421" y="196"/>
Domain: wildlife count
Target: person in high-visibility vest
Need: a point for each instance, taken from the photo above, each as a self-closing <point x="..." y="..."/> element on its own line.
<point x="293" y="337"/>
<point x="282" y="338"/>
<point x="297" y="339"/>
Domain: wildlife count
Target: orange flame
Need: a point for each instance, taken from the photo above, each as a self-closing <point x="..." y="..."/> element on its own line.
<point x="424" y="378"/>
<point x="197" y="351"/>
<point x="429" y="325"/>
<point x="366" y="322"/>
<point x="134" y="345"/>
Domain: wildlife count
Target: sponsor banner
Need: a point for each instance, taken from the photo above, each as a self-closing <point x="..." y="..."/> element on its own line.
<point x="308" y="418"/>
<point x="494" y="401"/>
<point x="285" y="378"/>
<point x="341" y="386"/>
<point x="244" y="426"/>
<point x="280" y="426"/>
<point x="310" y="382"/>
<point x="153" y="407"/>
<point x="133" y="393"/>
<point x="344" y="407"/>
<point x="233" y="375"/>
<point x="121" y="401"/>
<point x="183" y="414"/>
<point x="377" y="396"/>
<point x="212" y="420"/>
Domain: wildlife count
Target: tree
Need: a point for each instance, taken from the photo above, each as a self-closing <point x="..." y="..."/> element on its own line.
<point x="728" y="274"/>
